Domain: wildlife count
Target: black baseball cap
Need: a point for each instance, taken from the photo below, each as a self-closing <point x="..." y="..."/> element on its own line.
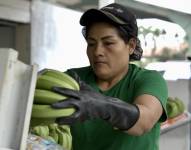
<point x="116" y="13"/>
<point x="120" y="15"/>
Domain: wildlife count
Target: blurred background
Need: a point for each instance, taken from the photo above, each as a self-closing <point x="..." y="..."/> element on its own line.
<point x="47" y="33"/>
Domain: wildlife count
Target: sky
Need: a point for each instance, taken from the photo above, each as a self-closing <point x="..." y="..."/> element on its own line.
<point x="180" y="5"/>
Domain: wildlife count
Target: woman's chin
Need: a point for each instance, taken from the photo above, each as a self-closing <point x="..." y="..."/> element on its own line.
<point x="101" y="74"/>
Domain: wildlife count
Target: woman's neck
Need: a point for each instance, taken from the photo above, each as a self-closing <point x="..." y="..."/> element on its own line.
<point x="107" y="83"/>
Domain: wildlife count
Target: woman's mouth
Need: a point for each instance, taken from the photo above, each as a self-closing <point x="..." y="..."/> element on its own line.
<point x="99" y="63"/>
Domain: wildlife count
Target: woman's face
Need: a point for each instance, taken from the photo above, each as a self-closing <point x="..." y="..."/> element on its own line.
<point x="107" y="52"/>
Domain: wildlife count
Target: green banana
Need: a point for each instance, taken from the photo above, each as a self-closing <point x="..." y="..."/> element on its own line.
<point x="180" y="104"/>
<point x="68" y="137"/>
<point x="54" y="135"/>
<point x="47" y="82"/>
<point x="61" y="138"/>
<point x="64" y="128"/>
<point x="64" y="139"/>
<point x="172" y="108"/>
<point x="52" y="131"/>
<point x="59" y="134"/>
<point x="62" y="76"/>
<point x="50" y="138"/>
<point x="46" y="131"/>
<point x="175" y="107"/>
<point x="41" y="130"/>
<point x="47" y="97"/>
<point x="52" y="126"/>
<point x="45" y="111"/>
<point x="41" y="121"/>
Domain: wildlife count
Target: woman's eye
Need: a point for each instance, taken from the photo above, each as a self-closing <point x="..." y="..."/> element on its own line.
<point x="109" y="43"/>
<point x="91" y="44"/>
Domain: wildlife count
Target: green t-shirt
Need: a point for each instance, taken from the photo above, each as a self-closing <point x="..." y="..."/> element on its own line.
<point x="100" y="135"/>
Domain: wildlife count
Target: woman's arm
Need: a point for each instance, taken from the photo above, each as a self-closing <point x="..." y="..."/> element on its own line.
<point x="150" y="111"/>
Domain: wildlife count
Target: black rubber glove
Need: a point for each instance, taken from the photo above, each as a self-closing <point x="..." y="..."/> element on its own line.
<point x="90" y="104"/>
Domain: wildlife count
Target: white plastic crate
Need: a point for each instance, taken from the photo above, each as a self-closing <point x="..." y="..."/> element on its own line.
<point x="17" y="86"/>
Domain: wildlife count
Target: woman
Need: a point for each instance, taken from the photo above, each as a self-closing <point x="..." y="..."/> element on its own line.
<point x="125" y="105"/>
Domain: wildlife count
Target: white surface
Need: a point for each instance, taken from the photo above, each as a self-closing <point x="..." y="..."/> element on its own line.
<point x="174" y="70"/>
<point x="17" y="86"/>
<point x="57" y="41"/>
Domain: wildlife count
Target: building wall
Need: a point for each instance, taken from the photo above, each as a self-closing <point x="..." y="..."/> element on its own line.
<point x="15" y="27"/>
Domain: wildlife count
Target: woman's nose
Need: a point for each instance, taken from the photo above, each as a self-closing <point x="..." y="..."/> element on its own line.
<point x="99" y="49"/>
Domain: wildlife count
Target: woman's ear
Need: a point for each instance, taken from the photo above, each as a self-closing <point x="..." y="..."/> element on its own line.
<point x="132" y="45"/>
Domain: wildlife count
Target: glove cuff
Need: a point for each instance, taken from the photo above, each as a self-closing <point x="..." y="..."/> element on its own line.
<point x="122" y="114"/>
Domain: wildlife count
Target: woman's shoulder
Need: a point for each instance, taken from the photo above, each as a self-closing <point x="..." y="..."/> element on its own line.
<point x="142" y="73"/>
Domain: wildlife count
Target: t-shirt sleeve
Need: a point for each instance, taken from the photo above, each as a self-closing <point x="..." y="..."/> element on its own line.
<point x="152" y="83"/>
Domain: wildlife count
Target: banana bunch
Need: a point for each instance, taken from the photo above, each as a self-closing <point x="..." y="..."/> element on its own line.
<point x="43" y="96"/>
<point x="59" y="134"/>
<point x="43" y="116"/>
<point x="175" y="107"/>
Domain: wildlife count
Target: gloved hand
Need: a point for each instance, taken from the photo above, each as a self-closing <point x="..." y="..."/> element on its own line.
<point x="90" y="104"/>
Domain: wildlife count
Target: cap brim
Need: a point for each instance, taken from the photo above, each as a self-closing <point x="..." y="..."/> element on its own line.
<point x="90" y="15"/>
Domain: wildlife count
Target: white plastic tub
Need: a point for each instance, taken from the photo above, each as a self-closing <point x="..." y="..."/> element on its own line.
<point x="17" y="86"/>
